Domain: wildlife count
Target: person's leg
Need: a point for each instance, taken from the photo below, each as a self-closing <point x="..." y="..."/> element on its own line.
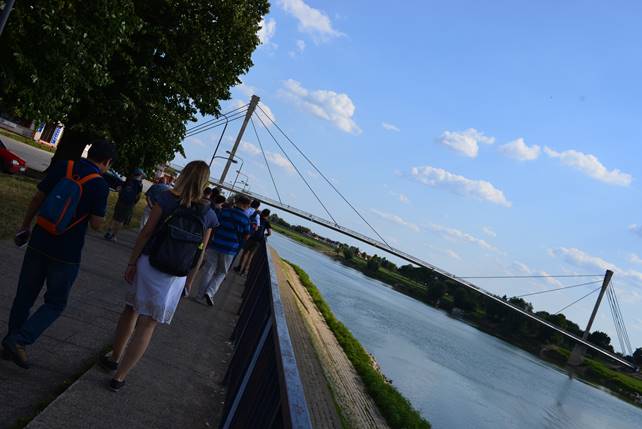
<point x="115" y="227"/>
<point x="242" y="255"/>
<point x="136" y="348"/>
<point x="32" y="278"/>
<point x="60" y="279"/>
<point x="223" y="263"/>
<point x="248" y="260"/>
<point x="207" y="271"/>
<point x="124" y="330"/>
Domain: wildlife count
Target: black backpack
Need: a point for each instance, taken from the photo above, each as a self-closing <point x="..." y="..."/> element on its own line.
<point x="129" y="194"/>
<point x="177" y="243"/>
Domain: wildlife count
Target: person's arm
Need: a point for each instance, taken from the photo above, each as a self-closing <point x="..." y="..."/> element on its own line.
<point x="32" y="209"/>
<point x="268" y="230"/>
<point x="96" y="222"/>
<point x="192" y="274"/>
<point x="141" y="241"/>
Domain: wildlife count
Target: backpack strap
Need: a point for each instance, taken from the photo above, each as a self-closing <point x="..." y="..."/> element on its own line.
<point x="70" y="170"/>
<point x="80" y="182"/>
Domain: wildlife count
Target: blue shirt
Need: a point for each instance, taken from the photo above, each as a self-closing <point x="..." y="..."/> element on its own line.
<point x="234" y="226"/>
<point x="155" y="191"/>
<point x="169" y="202"/>
<point x="67" y="247"/>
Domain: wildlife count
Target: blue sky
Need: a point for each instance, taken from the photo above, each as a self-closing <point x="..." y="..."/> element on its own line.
<point x="488" y="138"/>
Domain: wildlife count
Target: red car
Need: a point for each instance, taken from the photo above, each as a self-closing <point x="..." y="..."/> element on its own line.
<point x="10" y="162"/>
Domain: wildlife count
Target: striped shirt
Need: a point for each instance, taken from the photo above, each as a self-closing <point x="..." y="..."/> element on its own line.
<point x="234" y="225"/>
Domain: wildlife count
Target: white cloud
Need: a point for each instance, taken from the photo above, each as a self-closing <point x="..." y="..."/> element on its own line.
<point x="550" y="280"/>
<point x="396" y="219"/>
<point x="489" y="231"/>
<point x="521" y="267"/>
<point x="519" y="150"/>
<point x="267" y="31"/>
<point x="325" y="104"/>
<point x="479" y="189"/>
<point x="404" y="199"/>
<point x="310" y="20"/>
<point x="465" y="142"/>
<point x="274" y="158"/>
<point x="453" y="254"/>
<point x="390" y="127"/>
<point x="300" y="46"/>
<point x="249" y="148"/>
<point x="455" y="234"/>
<point x="635" y="259"/>
<point x="636" y="229"/>
<point x="582" y="259"/>
<point x="591" y="166"/>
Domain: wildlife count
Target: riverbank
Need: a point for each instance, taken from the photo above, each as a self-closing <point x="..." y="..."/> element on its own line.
<point x="396" y="409"/>
<point x="594" y="372"/>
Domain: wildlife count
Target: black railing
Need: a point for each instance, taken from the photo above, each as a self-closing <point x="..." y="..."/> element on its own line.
<point x="264" y="389"/>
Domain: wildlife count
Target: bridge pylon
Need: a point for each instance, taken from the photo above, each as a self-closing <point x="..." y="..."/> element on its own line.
<point x="577" y="355"/>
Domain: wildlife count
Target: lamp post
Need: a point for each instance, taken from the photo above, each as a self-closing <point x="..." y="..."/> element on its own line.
<point x="227" y="120"/>
<point x="240" y="168"/>
<point x="238" y="172"/>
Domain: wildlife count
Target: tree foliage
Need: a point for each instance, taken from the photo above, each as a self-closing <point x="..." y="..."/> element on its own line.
<point x="135" y="71"/>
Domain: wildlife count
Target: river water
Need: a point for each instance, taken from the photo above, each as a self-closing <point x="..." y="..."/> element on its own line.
<point x="455" y="375"/>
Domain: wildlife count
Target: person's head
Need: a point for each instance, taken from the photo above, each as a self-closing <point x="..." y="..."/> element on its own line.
<point x="243" y="202"/>
<point x="102" y="153"/>
<point x="219" y="200"/>
<point x="162" y="180"/>
<point x="255" y="204"/>
<point x="137" y="174"/>
<point x="191" y="182"/>
<point x="216" y="191"/>
<point x="265" y="213"/>
<point x="207" y="192"/>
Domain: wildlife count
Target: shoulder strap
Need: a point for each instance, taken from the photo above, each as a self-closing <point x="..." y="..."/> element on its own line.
<point x="88" y="177"/>
<point x="70" y="170"/>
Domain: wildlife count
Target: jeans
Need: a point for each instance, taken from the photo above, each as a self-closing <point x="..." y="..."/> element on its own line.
<point x="37" y="269"/>
<point x="213" y="272"/>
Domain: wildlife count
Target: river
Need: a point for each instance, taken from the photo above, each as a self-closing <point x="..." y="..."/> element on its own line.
<point x="455" y="375"/>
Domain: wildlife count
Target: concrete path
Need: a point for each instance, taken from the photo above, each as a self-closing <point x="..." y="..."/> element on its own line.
<point x="175" y="385"/>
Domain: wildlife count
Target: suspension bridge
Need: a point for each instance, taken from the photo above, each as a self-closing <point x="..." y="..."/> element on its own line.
<point x="252" y="114"/>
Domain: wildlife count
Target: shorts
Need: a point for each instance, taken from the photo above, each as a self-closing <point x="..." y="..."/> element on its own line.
<point x="251" y="245"/>
<point x="123" y="213"/>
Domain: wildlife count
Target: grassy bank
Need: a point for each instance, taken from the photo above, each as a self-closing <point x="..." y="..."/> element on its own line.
<point x="310" y="242"/>
<point x="16" y="193"/>
<point x="396" y="409"/>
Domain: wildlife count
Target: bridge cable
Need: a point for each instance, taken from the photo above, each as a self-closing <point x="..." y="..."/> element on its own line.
<point x="530" y="277"/>
<point x="558" y="289"/>
<point x="218" y="118"/>
<point x="578" y="300"/>
<point x="295" y="167"/>
<point x="616" y="322"/>
<point x="218" y="124"/>
<point x="324" y="177"/>
<point x="618" y="309"/>
<point x="267" y="164"/>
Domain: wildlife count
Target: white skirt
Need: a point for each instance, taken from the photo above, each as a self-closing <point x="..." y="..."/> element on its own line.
<point x="153" y="293"/>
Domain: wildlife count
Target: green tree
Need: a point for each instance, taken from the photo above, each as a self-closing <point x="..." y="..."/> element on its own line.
<point x="348" y="253"/>
<point x="374" y="263"/>
<point x="637" y="356"/>
<point x="600" y="339"/>
<point x="170" y="62"/>
<point x="463" y="299"/>
<point x="435" y="291"/>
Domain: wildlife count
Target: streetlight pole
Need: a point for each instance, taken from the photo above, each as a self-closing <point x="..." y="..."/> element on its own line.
<point x="8" y="5"/>
<point x="238" y="172"/>
<point x="227" y="120"/>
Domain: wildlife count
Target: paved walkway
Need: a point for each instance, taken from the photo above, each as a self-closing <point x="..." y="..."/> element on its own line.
<point x="176" y="384"/>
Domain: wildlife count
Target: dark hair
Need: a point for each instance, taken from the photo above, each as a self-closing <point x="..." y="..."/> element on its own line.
<point x="207" y="192"/>
<point x="255" y="204"/>
<point x="265" y="213"/>
<point x="102" y="150"/>
<point x="219" y="199"/>
<point x="242" y="200"/>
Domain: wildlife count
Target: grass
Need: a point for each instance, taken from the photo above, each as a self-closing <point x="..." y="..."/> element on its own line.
<point x="28" y="141"/>
<point x="397" y="410"/>
<point x="310" y="242"/>
<point x="16" y="193"/>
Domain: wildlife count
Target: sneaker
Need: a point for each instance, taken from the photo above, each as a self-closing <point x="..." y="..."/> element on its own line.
<point x="209" y="301"/>
<point x="115" y="385"/>
<point x="108" y="236"/>
<point x="16" y="353"/>
<point x="107" y="363"/>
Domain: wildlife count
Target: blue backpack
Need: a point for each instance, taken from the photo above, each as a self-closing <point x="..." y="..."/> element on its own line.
<point x="58" y="211"/>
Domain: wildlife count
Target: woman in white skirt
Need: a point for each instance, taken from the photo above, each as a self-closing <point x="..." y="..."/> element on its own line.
<point x="154" y="295"/>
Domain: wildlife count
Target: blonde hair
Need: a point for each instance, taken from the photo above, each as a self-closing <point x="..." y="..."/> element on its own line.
<point x="191" y="182"/>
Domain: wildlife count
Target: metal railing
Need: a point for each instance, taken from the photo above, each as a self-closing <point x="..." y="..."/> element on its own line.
<point x="264" y="389"/>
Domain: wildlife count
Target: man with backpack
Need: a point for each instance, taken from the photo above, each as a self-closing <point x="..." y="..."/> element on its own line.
<point x="234" y="228"/>
<point x="72" y="196"/>
<point x="127" y="199"/>
<point x="257" y="238"/>
<point x="254" y="215"/>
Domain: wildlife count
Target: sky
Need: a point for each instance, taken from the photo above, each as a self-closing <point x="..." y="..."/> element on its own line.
<point x="487" y="138"/>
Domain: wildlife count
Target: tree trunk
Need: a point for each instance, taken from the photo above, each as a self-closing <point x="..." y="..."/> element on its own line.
<point x="72" y="144"/>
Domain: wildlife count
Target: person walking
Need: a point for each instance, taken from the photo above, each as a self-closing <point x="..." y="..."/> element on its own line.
<point x="160" y="267"/>
<point x="72" y="196"/>
<point x="127" y="199"/>
<point x="234" y="228"/>
<point x="257" y="238"/>
<point x="151" y="196"/>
